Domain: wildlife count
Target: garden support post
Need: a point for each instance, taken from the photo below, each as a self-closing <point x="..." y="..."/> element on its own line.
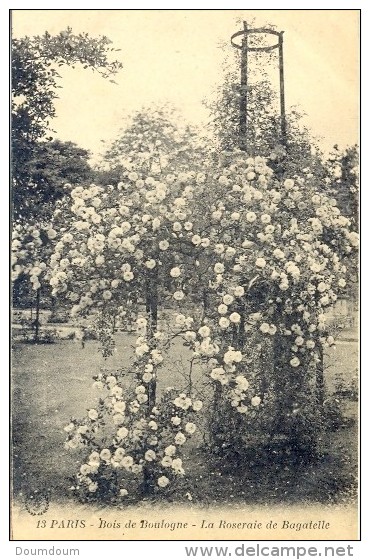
<point x="281" y="389"/>
<point x="282" y="90"/>
<point x="147" y="300"/>
<point x="244" y="91"/>
<point x="151" y="306"/>
<point x="296" y="417"/>
<point x="320" y="384"/>
<point x="151" y="303"/>
<point x="295" y="400"/>
<point x="37" y="320"/>
<point x="242" y="334"/>
<point x="205" y="299"/>
<point x="152" y="311"/>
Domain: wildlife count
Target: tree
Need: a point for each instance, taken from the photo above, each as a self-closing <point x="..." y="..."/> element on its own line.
<point x="31" y="250"/>
<point x="35" y="81"/>
<point x="50" y="166"/>
<point x="342" y="180"/>
<point x="156" y="138"/>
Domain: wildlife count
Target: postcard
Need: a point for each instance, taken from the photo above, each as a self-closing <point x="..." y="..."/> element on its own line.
<point x="185" y="230"/>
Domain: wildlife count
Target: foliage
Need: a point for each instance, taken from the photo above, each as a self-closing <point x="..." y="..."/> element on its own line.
<point x="342" y="180"/>
<point x="299" y="150"/>
<point x="51" y="165"/>
<point x="35" y="81"/>
<point x="155" y="139"/>
<point x="31" y="250"/>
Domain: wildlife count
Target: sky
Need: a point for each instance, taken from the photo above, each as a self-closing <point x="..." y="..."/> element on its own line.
<point x="174" y="56"/>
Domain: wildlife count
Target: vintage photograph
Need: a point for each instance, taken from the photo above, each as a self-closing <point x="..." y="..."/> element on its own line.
<point x="185" y="231"/>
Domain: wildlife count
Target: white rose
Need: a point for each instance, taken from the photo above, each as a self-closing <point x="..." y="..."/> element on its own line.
<point x="224" y="322"/>
<point x="119" y="406"/>
<point x="235" y="317"/>
<point x="294" y="362"/>
<point x="175" y="272"/>
<point x="150" y="455"/>
<point x="190" y="336"/>
<point x="190" y="428"/>
<point x="163" y="481"/>
<point x="93" y="414"/>
<point x="222" y="309"/>
<point x="219" y="268"/>
<point x="265" y="218"/>
<point x="180" y="439"/>
<point x="170" y="450"/>
<point x="228" y="299"/>
<point x="288" y="183"/>
<point x="239" y="291"/>
<point x="122" y="433"/>
<point x="260" y="262"/>
<point x="204" y="331"/>
<point x="197" y="406"/>
<point x="105" y="454"/>
<point x="179" y="295"/>
<point x="219" y="248"/>
<point x="150" y="264"/>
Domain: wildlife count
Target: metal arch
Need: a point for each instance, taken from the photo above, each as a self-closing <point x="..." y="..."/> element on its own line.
<point x="252" y="32"/>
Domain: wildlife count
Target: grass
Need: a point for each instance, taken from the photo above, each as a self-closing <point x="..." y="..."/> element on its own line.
<point x="52" y="383"/>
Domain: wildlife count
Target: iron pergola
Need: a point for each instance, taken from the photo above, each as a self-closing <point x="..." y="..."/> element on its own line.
<point x="245" y="48"/>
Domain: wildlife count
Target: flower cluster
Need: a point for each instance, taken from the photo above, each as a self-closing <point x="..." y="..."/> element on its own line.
<point x="31" y="250"/>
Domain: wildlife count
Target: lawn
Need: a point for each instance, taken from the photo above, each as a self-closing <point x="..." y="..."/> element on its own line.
<point x="52" y="382"/>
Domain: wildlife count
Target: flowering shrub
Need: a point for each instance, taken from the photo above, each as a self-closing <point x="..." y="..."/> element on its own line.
<point x="28" y="253"/>
<point x="31" y="249"/>
<point x="343" y="181"/>
<point x="263" y="257"/>
<point x="144" y="452"/>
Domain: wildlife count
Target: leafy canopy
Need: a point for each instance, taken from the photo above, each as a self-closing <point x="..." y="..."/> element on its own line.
<point x="35" y="81"/>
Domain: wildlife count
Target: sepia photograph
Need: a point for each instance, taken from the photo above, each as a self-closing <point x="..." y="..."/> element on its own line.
<point x="184" y="274"/>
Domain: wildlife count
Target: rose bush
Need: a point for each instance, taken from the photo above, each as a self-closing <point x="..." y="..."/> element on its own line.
<point x="261" y="258"/>
<point x="32" y="246"/>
